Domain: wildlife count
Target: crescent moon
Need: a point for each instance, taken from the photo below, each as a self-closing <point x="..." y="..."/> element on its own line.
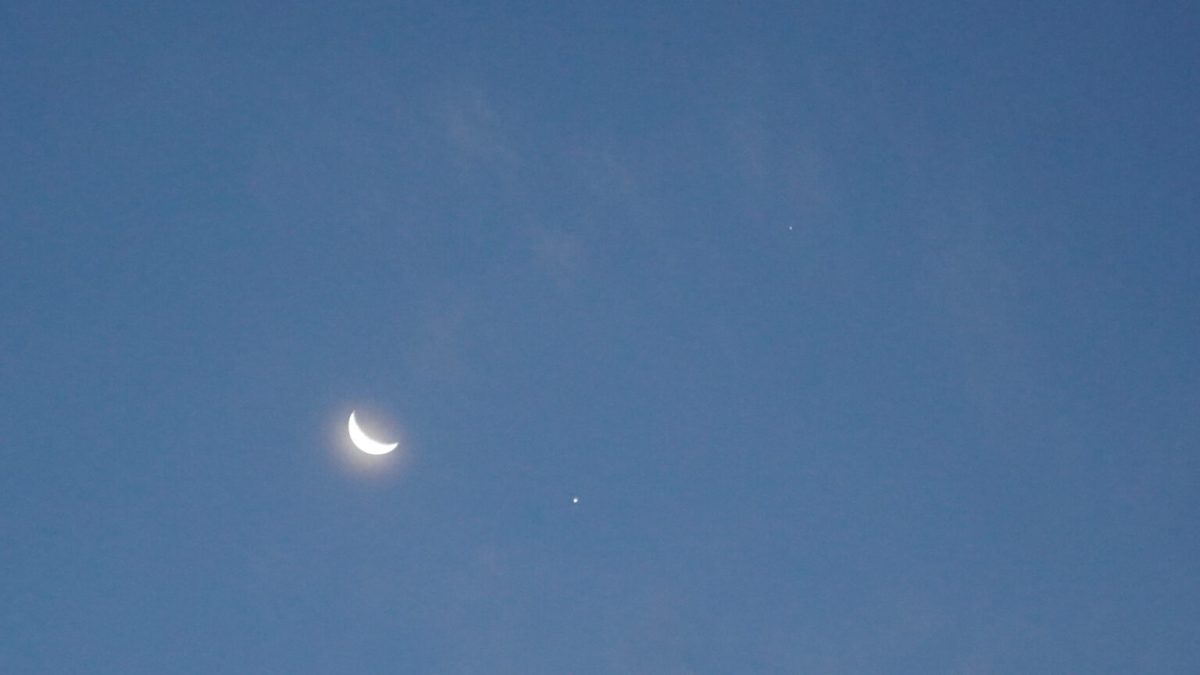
<point x="365" y="443"/>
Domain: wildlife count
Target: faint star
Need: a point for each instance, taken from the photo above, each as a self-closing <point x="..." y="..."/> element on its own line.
<point x="574" y="500"/>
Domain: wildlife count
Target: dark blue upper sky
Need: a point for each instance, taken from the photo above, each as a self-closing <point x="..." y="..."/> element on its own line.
<point x="866" y="334"/>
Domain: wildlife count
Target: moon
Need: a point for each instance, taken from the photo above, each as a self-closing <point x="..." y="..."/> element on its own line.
<point x="364" y="442"/>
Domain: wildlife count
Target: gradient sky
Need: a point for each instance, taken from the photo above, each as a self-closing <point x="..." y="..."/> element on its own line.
<point x="865" y="332"/>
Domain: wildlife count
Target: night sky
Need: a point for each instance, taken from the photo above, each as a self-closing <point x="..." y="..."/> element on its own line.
<point x="866" y="335"/>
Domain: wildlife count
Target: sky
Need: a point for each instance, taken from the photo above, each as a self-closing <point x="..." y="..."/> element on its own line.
<point x="865" y="334"/>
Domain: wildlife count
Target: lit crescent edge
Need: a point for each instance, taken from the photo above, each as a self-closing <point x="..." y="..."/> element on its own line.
<point x="366" y="443"/>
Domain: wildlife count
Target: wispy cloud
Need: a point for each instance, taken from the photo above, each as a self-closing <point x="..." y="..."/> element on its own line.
<point x="438" y="344"/>
<point x="472" y="126"/>
<point x="560" y="255"/>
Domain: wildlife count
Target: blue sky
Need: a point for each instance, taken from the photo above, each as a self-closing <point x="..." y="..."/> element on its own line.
<point x="864" y="333"/>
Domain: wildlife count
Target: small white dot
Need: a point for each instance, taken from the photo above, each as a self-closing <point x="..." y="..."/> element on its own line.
<point x="574" y="500"/>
